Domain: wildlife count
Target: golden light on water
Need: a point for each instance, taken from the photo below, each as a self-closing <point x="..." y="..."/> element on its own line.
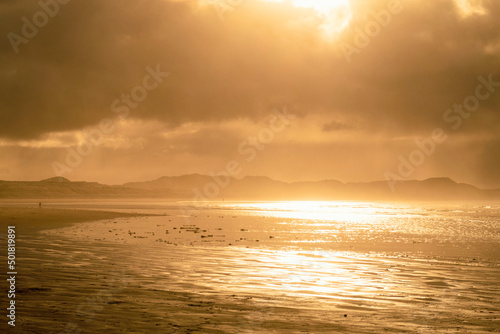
<point x="322" y="274"/>
<point x="317" y="210"/>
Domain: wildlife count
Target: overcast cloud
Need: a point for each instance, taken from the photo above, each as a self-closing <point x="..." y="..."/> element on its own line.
<point x="225" y="77"/>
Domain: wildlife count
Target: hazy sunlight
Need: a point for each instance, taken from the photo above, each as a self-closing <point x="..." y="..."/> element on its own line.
<point x="317" y="210"/>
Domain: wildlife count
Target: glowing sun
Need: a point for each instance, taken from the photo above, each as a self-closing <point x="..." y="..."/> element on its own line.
<point x="324" y="6"/>
<point x="336" y="13"/>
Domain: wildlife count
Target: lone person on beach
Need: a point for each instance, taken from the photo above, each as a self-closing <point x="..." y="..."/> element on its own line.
<point x="40" y="205"/>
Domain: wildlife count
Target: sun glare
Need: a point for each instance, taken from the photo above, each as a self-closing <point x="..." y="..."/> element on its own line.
<point x="336" y="13"/>
<point x="324" y="6"/>
<point x="468" y="7"/>
<point x="317" y="210"/>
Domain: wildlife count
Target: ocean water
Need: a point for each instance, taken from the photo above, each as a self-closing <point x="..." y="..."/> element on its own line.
<point x="455" y="230"/>
<point x="337" y="266"/>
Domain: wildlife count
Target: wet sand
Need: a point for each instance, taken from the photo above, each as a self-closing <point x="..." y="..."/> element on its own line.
<point x="87" y="279"/>
<point x="29" y="220"/>
<point x="71" y="286"/>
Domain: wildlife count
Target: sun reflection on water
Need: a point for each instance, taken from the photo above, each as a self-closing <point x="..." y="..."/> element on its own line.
<point x="315" y="273"/>
<point x="318" y="210"/>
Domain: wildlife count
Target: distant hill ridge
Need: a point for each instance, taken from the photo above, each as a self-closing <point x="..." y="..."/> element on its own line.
<point x="56" y="179"/>
<point x="205" y="187"/>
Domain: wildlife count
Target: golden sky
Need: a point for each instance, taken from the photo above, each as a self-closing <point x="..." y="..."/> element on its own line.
<point x="364" y="80"/>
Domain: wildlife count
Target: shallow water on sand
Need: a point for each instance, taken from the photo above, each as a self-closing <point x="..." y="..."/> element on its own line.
<point x="451" y="230"/>
<point x="301" y="267"/>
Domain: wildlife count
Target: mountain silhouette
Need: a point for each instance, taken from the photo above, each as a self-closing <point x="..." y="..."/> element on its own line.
<point x="205" y="187"/>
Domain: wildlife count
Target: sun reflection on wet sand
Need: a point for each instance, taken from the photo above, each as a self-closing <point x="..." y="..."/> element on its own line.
<point x="395" y="268"/>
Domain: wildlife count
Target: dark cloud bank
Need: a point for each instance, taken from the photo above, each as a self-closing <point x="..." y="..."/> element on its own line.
<point x="261" y="56"/>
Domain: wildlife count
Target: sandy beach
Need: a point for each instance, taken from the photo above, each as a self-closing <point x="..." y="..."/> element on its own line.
<point x="255" y="167"/>
<point x="29" y="220"/>
<point x="67" y="286"/>
<point x="83" y="271"/>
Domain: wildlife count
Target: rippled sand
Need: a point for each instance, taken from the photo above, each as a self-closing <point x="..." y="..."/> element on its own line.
<point x="100" y="277"/>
